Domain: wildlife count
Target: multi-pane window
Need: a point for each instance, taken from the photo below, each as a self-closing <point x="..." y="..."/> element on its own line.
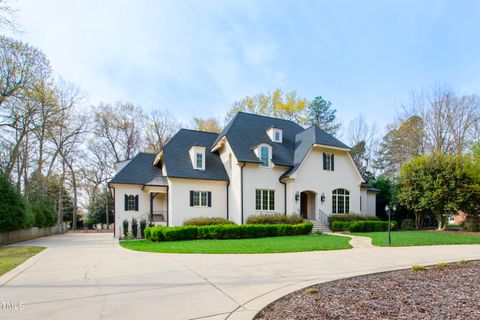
<point x="264" y="156"/>
<point x="340" y="201"/>
<point x="199" y="161"/>
<point x="277" y="135"/>
<point x="200" y="199"/>
<point x="328" y="161"/>
<point x="131" y="203"/>
<point x="265" y="200"/>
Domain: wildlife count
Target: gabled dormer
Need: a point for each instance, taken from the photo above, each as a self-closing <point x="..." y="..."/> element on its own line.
<point x="275" y="134"/>
<point x="197" y="156"/>
<point x="264" y="153"/>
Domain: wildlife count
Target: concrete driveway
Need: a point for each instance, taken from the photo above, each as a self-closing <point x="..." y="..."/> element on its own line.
<point x="89" y="276"/>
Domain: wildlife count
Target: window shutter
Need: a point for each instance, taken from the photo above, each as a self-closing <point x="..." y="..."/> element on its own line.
<point x="136" y="202"/>
<point x="191" y="198"/>
<point x="209" y="195"/>
<point x="333" y="161"/>
<point x="126" y="203"/>
<point x="324" y="161"/>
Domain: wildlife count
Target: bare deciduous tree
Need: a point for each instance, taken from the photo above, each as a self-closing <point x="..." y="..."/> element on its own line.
<point x="160" y="127"/>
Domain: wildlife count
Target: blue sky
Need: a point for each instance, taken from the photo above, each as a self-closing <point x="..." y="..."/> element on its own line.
<point x="196" y="58"/>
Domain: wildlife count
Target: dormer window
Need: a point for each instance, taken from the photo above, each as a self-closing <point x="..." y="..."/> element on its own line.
<point x="197" y="155"/>
<point x="199" y="161"/>
<point x="264" y="156"/>
<point x="275" y="134"/>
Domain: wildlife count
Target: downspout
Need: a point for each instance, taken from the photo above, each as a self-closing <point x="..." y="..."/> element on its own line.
<point x="228" y="206"/>
<point x="284" y="196"/>
<point x="168" y="195"/>
<point x="241" y="192"/>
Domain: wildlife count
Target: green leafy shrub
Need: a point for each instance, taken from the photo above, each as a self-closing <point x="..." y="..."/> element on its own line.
<point x="471" y="223"/>
<point x="336" y="226"/>
<point x="228" y="231"/>
<point x="204" y="221"/>
<point x="370" y="226"/>
<point x="407" y="224"/>
<point x="134" y="228"/>
<point x="43" y="212"/>
<point x="350" y="217"/>
<point x="143" y="225"/>
<point x="125" y="228"/>
<point x="274" y="218"/>
<point x="15" y="213"/>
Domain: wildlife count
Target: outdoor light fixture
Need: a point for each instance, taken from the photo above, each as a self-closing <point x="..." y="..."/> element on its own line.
<point x="322" y="197"/>
<point x="297" y="196"/>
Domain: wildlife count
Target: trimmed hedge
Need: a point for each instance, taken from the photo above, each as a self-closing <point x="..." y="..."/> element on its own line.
<point x="348" y="218"/>
<point x="274" y="218"/>
<point x="228" y="231"/>
<point x="362" y="226"/>
<point x="204" y="221"/>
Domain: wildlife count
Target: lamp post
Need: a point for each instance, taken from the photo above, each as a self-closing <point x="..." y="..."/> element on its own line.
<point x="389" y="212"/>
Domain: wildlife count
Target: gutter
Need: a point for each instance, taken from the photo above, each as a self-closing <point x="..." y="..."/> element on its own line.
<point x="241" y="191"/>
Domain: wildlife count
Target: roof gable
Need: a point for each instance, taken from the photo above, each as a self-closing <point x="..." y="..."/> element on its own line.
<point x="177" y="160"/>
<point x="140" y="170"/>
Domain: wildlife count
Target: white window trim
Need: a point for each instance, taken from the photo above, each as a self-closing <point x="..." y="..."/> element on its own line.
<point x="128" y="202"/>
<point x="261" y="200"/>
<point x="203" y="160"/>
<point x="328" y="161"/>
<point x="344" y="202"/>
<point x="280" y="134"/>
<point x="200" y="199"/>
<point x="259" y="154"/>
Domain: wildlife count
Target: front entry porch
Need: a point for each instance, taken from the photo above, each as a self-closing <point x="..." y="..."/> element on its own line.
<point x="158" y="206"/>
<point x="308" y="205"/>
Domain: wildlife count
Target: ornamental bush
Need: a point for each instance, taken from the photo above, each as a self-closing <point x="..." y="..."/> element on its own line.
<point x="134" y="228"/>
<point x="350" y="217"/>
<point x="370" y="226"/>
<point x="15" y="212"/>
<point x="228" y="231"/>
<point x="204" y="221"/>
<point x="336" y="226"/>
<point x="274" y="218"/>
<point x="143" y="225"/>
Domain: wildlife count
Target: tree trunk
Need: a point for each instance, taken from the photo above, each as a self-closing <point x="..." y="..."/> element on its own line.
<point x="60" y="194"/>
<point x="75" y="195"/>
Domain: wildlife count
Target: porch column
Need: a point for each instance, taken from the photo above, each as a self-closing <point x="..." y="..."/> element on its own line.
<point x="151" y="206"/>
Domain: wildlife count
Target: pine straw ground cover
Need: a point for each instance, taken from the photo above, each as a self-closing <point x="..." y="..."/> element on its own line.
<point x="438" y="292"/>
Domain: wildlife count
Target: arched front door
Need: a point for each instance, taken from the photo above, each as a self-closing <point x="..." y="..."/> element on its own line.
<point x="307" y="204"/>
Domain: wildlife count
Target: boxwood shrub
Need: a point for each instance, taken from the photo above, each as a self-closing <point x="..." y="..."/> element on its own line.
<point x="349" y="218"/>
<point x="274" y="218"/>
<point x="370" y="226"/>
<point x="228" y="231"/>
<point x="204" y="221"/>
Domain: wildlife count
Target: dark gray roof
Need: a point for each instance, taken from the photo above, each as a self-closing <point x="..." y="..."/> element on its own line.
<point x="140" y="170"/>
<point x="177" y="159"/>
<point x="245" y="131"/>
<point x="305" y="140"/>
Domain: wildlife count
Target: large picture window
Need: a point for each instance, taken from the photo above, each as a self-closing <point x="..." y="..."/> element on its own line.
<point x="340" y="201"/>
<point x="265" y="200"/>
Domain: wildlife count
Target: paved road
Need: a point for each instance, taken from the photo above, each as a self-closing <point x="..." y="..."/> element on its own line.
<point x="88" y="276"/>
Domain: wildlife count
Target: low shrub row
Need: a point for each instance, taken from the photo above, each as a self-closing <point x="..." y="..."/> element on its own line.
<point x="349" y="217"/>
<point x="362" y="226"/>
<point x="228" y="231"/>
<point x="204" y="221"/>
<point x="274" y="218"/>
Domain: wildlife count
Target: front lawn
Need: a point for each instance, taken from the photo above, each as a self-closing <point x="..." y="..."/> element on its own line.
<point x="10" y="257"/>
<point x="419" y="238"/>
<point x="257" y="245"/>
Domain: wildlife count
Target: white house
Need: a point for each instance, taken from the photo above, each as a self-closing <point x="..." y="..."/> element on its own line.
<point x="257" y="164"/>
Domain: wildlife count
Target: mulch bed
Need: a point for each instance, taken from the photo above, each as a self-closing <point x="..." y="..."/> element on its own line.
<point x="451" y="292"/>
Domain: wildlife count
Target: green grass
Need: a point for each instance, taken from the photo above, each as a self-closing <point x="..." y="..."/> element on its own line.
<point x="419" y="238"/>
<point x="10" y="257"/>
<point x="258" y="245"/>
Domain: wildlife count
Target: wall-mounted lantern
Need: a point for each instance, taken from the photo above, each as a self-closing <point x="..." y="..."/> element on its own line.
<point x="297" y="196"/>
<point x="322" y="197"/>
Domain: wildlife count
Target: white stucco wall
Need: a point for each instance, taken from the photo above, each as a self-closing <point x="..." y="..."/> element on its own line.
<point x="311" y="176"/>
<point x="371" y="209"/>
<point x="258" y="177"/>
<point x="179" y="199"/>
